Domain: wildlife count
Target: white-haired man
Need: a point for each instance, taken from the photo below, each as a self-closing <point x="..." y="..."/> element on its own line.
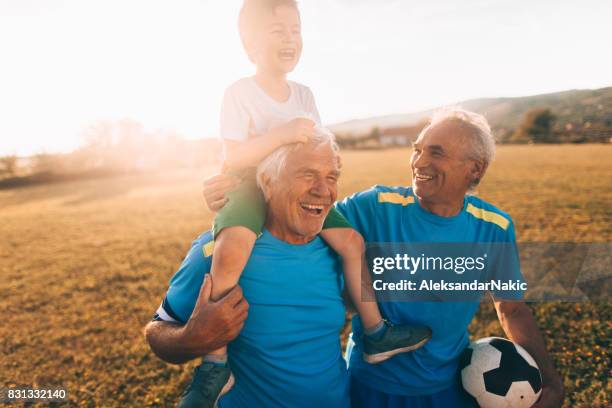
<point x="288" y="352"/>
<point x="450" y="158"/>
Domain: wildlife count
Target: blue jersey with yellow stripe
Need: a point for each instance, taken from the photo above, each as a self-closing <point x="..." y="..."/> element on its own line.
<point x="393" y="215"/>
<point x="288" y="353"/>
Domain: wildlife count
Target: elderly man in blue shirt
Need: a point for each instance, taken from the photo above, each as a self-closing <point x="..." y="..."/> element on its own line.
<point x="450" y="158"/>
<point x="288" y="352"/>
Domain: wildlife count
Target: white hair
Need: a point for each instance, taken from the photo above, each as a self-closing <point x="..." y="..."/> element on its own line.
<point x="481" y="140"/>
<point x="275" y="162"/>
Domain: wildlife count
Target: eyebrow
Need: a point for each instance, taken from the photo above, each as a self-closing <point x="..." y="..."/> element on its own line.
<point x="281" y="25"/>
<point x="314" y="171"/>
<point x="436" y="148"/>
<point x="431" y="148"/>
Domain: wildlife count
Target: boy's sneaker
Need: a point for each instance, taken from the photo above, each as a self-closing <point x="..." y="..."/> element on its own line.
<point x="210" y="382"/>
<point x="396" y="339"/>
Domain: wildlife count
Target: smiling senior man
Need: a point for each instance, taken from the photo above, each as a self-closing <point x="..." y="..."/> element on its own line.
<point x="449" y="159"/>
<point x="288" y="352"/>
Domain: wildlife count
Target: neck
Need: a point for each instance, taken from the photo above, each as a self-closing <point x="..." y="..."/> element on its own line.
<point x="284" y="234"/>
<point x="441" y="209"/>
<point x="274" y="84"/>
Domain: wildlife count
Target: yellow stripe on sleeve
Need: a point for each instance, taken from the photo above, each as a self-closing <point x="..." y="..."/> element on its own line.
<point x="395" y="198"/>
<point x="207" y="248"/>
<point x="488" y="216"/>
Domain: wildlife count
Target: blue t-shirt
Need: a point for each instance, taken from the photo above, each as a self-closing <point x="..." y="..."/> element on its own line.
<point x="288" y="353"/>
<point x="391" y="215"/>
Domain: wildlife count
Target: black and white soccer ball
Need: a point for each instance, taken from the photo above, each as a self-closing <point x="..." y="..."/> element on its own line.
<point x="499" y="373"/>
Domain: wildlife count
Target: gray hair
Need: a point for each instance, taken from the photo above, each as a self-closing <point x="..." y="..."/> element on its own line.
<point x="482" y="142"/>
<point x="275" y="162"/>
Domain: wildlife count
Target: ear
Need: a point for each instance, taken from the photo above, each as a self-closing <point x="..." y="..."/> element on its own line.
<point x="266" y="187"/>
<point x="478" y="170"/>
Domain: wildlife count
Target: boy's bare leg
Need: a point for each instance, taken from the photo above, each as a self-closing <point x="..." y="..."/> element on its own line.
<point x="381" y="339"/>
<point x="233" y="246"/>
<point x="349" y="244"/>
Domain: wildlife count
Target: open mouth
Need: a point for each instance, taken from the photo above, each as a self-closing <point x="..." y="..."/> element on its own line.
<point x="286" y="54"/>
<point x="313" y="209"/>
<point x="423" y="177"/>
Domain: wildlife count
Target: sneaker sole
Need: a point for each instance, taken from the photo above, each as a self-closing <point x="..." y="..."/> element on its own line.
<point x="380" y="357"/>
<point x="228" y="386"/>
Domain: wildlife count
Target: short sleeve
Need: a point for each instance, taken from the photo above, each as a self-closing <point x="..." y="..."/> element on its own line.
<point x="311" y="106"/>
<point x="360" y="211"/>
<point x="185" y="285"/>
<point x="235" y="119"/>
<point x="507" y="269"/>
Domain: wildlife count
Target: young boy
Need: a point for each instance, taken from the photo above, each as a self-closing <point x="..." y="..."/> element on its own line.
<point x="260" y="114"/>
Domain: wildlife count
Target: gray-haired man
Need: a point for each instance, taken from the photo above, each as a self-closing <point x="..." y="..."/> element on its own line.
<point x="288" y="352"/>
<point x="450" y="158"/>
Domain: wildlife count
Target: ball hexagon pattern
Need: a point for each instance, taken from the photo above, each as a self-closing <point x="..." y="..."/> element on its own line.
<point x="498" y="373"/>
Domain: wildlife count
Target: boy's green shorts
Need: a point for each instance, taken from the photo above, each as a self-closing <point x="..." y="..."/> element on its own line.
<point x="246" y="206"/>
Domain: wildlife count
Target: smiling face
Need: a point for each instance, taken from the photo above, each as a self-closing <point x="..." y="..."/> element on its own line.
<point x="300" y="199"/>
<point x="275" y="45"/>
<point x="441" y="170"/>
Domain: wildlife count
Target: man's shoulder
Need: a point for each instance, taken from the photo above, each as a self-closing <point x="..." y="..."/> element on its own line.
<point x="205" y="241"/>
<point x="380" y="194"/>
<point x="405" y="190"/>
<point x="384" y="194"/>
<point x="486" y="212"/>
<point x="199" y="255"/>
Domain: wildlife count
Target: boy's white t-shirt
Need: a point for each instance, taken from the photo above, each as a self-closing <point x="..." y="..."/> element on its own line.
<point x="247" y="111"/>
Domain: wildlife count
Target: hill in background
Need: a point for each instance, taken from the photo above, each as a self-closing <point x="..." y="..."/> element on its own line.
<point x="124" y="146"/>
<point x="580" y="115"/>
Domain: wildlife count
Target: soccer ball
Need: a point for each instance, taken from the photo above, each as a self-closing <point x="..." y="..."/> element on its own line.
<point x="499" y="373"/>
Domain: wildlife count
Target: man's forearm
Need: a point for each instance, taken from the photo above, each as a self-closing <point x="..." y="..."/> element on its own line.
<point x="167" y="342"/>
<point x="520" y="326"/>
<point x="211" y="325"/>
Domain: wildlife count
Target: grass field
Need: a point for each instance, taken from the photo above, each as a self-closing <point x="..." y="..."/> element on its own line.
<point x="85" y="264"/>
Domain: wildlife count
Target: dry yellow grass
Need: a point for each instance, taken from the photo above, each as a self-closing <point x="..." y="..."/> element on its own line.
<point x="85" y="264"/>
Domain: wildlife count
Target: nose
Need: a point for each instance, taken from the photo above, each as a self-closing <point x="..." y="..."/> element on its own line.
<point x="291" y="36"/>
<point x="419" y="160"/>
<point x="319" y="188"/>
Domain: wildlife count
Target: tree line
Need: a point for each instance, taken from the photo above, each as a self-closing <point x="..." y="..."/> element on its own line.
<point x="112" y="147"/>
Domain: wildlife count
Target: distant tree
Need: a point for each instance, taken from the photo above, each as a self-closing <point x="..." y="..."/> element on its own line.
<point x="113" y="145"/>
<point x="375" y="135"/>
<point x="47" y="163"/>
<point x="537" y="127"/>
<point x="9" y="165"/>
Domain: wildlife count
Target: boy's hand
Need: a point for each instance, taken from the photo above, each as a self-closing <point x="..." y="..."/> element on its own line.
<point x="215" y="188"/>
<point x="296" y="131"/>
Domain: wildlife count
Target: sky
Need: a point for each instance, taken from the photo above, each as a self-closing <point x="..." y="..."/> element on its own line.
<point x="66" y="64"/>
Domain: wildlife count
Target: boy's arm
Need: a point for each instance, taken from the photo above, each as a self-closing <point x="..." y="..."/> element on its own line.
<point x="240" y="155"/>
